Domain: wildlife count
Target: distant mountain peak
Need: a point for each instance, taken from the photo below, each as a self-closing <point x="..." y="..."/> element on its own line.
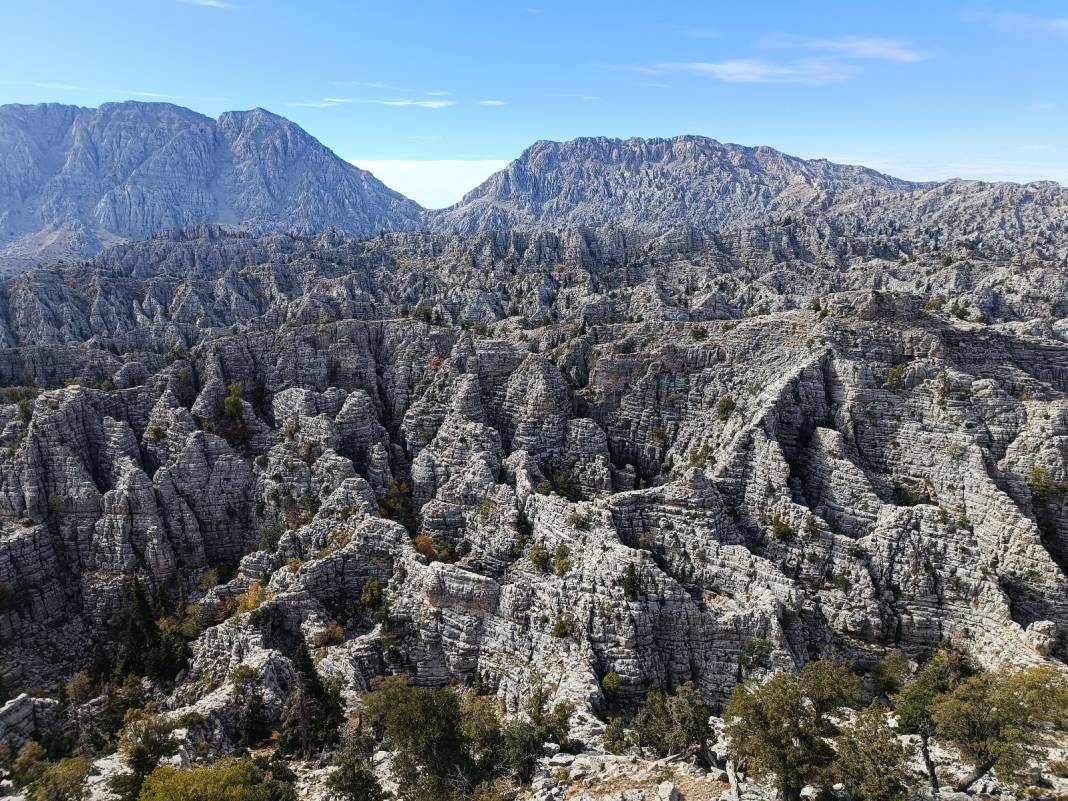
<point x="74" y="179"/>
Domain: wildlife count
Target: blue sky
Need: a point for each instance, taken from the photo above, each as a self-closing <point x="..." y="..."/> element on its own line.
<point x="435" y="95"/>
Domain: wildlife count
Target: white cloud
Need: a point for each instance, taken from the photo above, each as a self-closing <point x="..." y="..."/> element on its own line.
<point x="432" y="183"/>
<point x="868" y="47"/>
<point x="754" y="71"/>
<point x="436" y="94"/>
<point x="324" y="103"/>
<point x="493" y="102"/>
<point x="209" y="4"/>
<point x="419" y="103"/>
<point x="1029" y="23"/>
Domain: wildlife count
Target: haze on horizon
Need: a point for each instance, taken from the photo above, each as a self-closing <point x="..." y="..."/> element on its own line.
<point x="433" y="99"/>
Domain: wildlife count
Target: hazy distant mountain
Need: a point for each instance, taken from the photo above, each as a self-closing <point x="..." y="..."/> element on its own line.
<point x="73" y="179"/>
<point x="653" y="184"/>
<point x="649" y="183"/>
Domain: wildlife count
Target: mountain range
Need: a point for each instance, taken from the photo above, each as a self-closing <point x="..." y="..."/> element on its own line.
<point x="74" y="180"/>
<point x="636" y="429"/>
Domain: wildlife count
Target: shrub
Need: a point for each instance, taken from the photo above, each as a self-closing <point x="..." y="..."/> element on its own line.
<point x="269" y="537"/>
<point x="332" y="634"/>
<point x="611" y="684"/>
<point x="999" y="720"/>
<point x="577" y="519"/>
<point x="674" y="724"/>
<point x="699" y="456"/>
<point x="30" y="763"/>
<point x="253" y="598"/>
<point x="312" y="712"/>
<point x="227" y="780"/>
<point x="144" y="739"/>
<point x="232" y="402"/>
<point x="889" y="673"/>
<point x="371" y="594"/>
<point x="895" y="377"/>
<point x="564" y="625"/>
<point x="725" y="406"/>
<point x="424" y="544"/>
<point x="397" y="505"/>
<point x="781" y="530"/>
<point x="424" y="728"/>
<point x="539" y="556"/>
<point x="755" y="653"/>
<point x="524" y="739"/>
<point x="1040" y="482"/>
<point x="871" y="760"/>
<point x="562" y="559"/>
<point x="62" y="781"/>
<point x="174" y="354"/>
<point x="781" y="727"/>
<point x="699" y="333"/>
<point x="909" y="495"/>
<point x="615" y="738"/>
<point x="630" y="582"/>
<point x="208" y="579"/>
<point x="353" y="778"/>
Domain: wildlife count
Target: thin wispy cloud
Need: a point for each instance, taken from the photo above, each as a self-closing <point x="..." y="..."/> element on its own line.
<point x="326" y="102"/>
<point x="436" y="94"/>
<point x="65" y="87"/>
<point x="860" y="47"/>
<point x="156" y="95"/>
<point x="700" y="33"/>
<point x="1027" y="23"/>
<point x="210" y="4"/>
<point x="417" y="103"/>
<point x="493" y="102"/>
<point x="1043" y="105"/>
<point x="744" y="70"/>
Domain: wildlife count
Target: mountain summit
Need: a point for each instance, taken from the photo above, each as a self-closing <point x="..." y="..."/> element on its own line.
<point x="75" y="179"/>
<point x="653" y="183"/>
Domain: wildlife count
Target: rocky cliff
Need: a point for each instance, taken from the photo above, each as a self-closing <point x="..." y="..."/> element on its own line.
<point x="836" y="472"/>
<point x="654" y="184"/>
<point x="76" y="179"/>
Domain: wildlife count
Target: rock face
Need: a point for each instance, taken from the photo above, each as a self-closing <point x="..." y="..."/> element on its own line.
<point x="700" y="460"/>
<point x="75" y="179"/>
<point x="680" y="453"/>
<point x="655" y="184"/>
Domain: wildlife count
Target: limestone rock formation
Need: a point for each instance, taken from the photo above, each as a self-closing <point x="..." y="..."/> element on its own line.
<point x="75" y="179"/>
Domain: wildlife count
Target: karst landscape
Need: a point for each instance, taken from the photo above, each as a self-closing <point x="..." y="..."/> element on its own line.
<point x="653" y="470"/>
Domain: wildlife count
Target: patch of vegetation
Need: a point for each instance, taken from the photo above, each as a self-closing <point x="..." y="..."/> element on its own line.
<point x="674" y="724"/>
<point x="781" y="530"/>
<point x="725" y="407"/>
<point x="755" y="653"/>
<point x="895" y="377"/>
<point x="538" y="555"/>
<point x="233" y="779"/>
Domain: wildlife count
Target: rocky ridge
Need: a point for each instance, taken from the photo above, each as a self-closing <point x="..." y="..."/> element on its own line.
<point x="712" y="441"/>
<point x="76" y="179"/>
